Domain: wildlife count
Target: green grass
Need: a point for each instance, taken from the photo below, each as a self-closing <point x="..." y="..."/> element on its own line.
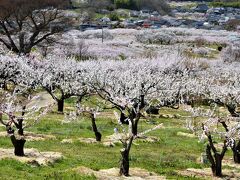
<point x="170" y="154"/>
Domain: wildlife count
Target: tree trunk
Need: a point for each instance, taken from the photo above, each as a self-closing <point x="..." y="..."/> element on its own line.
<point x="123" y="119"/>
<point x="216" y="162"/>
<point x="236" y="152"/>
<point x="18" y="145"/>
<point x="236" y="156"/>
<point x="60" y="104"/>
<point x="124" y="166"/>
<point x="135" y="124"/>
<point x="98" y="135"/>
<point x="135" y="129"/>
<point x="217" y="168"/>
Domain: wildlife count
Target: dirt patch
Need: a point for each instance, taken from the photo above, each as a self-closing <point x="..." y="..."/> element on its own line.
<point x="105" y="142"/>
<point x="166" y="116"/>
<point x="87" y="140"/>
<point x="113" y="174"/>
<point x="207" y="173"/>
<point x="230" y="163"/>
<point x="112" y="140"/>
<point x="32" y="156"/>
<point x="148" y="139"/>
<point x="108" y="115"/>
<point x="30" y="136"/>
<point x="67" y="141"/>
<point x="186" y="134"/>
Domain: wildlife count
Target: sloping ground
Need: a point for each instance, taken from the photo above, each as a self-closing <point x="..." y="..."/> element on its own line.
<point x="113" y="174"/>
<point x="32" y="156"/>
<point x="42" y="99"/>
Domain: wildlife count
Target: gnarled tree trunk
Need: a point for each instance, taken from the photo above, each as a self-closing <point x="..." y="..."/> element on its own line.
<point x="124" y="166"/>
<point x="216" y="161"/>
<point x="18" y="145"/>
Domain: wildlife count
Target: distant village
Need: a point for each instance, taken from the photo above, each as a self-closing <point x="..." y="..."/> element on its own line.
<point x="201" y="17"/>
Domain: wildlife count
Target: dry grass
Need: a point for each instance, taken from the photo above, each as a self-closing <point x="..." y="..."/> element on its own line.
<point x="113" y="174"/>
<point x="207" y="174"/>
<point x="32" y="156"/>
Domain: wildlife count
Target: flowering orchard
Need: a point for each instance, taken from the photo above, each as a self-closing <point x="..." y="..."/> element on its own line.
<point x="130" y="87"/>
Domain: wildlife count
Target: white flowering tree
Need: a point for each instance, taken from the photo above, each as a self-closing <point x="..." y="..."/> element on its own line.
<point x="15" y="70"/>
<point x="219" y="85"/>
<point x="61" y="78"/>
<point x="220" y="132"/>
<point x="15" y="114"/>
<point x="131" y="86"/>
<point x="225" y="91"/>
